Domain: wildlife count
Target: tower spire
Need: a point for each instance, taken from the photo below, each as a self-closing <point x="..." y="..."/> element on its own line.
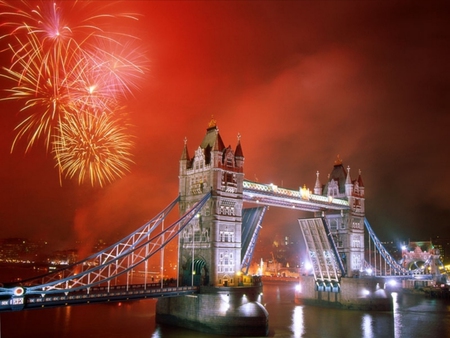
<point x="212" y="122"/>
<point x="239" y="154"/>
<point x="348" y="183"/>
<point x="318" y="186"/>
<point x="185" y="153"/>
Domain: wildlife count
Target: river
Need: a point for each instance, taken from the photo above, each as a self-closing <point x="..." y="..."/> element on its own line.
<point x="412" y="316"/>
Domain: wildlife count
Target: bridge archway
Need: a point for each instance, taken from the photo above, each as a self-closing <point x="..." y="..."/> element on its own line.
<point x="196" y="272"/>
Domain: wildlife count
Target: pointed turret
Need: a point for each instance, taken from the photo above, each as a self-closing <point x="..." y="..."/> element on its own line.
<point x="317" y="186"/>
<point x="361" y="184"/>
<point x="185" y="153"/>
<point x="239" y="154"/>
<point x="348" y="184"/>
<point x="185" y="159"/>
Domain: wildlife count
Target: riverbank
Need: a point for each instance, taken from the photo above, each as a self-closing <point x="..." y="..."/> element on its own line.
<point x="269" y="279"/>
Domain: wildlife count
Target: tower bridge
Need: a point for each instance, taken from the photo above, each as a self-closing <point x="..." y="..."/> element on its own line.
<point x="216" y="237"/>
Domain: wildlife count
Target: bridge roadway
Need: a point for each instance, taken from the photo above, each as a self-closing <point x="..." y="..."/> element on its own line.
<point x="99" y="294"/>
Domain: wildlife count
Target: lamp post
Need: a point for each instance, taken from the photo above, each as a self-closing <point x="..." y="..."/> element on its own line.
<point x="192" y="259"/>
<point x="162" y="255"/>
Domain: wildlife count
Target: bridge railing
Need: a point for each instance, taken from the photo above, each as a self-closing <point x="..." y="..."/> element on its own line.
<point x="96" y="295"/>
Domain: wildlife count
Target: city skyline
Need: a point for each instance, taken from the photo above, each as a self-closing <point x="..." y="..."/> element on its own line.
<point x="301" y="82"/>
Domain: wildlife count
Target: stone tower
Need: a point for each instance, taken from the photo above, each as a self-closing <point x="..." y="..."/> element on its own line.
<point x="210" y="246"/>
<point x="347" y="227"/>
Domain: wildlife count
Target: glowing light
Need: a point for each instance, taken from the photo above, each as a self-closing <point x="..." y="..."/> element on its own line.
<point x="392" y="282"/>
<point x="305" y="193"/>
<point x="19" y="291"/>
<point x="308" y="266"/>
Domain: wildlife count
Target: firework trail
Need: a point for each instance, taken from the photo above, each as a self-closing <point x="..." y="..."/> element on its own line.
<point x="72" y="73"/>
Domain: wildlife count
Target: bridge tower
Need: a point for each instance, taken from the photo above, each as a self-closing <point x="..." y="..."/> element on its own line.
<point x="210" y="246"/>
<point x="346" y="227"/>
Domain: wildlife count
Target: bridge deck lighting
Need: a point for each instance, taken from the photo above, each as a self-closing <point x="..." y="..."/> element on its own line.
<point x="392" y="282"/>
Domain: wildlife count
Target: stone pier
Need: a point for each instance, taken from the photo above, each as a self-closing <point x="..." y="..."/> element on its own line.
<point x="232" y="311"/>
<point x="352" y="293"/>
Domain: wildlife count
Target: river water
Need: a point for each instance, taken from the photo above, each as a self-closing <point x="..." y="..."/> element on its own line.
<point x="412" y="316"/>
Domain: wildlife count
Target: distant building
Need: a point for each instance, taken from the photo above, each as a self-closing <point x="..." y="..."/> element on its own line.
<point x="20" y="250"/>
<point x="63" y="257"/>
<point x="278" y="257"/>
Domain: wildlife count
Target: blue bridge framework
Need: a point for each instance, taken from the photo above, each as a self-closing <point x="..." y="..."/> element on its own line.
<point x="94" y="279"/>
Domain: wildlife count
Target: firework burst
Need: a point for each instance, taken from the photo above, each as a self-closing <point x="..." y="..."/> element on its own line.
<point x="92" y="146"/>
<point x="44" y="83"/>
<point x="66" y="68"/>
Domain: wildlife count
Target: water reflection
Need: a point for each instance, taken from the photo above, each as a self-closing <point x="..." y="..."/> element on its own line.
<point x="366" y="326"/>
<point x="298" y="328"/>
<point x="412" y="316"/>
<point x="396" y="315"/>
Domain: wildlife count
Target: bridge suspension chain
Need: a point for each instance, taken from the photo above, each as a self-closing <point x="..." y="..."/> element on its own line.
<point x="393" y="264"/>
<point x="114" y="261"/>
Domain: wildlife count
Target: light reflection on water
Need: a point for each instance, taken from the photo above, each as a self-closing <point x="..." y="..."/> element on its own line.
<point x="396" y="315"/>
<point x="412" y="316"/>
<point x="366" y="326"/>
<point x="297" y="321"/>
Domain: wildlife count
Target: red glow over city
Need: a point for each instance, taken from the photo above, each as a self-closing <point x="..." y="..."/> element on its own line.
<point x="301" y="82"/>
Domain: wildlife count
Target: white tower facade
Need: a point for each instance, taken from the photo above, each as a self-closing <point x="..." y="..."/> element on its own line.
<point x="210" y="246"/>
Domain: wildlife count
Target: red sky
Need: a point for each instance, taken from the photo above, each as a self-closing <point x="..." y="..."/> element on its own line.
<point x="301" y="81"/>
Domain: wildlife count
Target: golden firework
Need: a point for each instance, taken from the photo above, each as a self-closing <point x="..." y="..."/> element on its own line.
<point x="92" y="146"/>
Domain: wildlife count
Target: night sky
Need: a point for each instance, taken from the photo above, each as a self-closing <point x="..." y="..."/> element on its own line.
<point x="301" y="81"/>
